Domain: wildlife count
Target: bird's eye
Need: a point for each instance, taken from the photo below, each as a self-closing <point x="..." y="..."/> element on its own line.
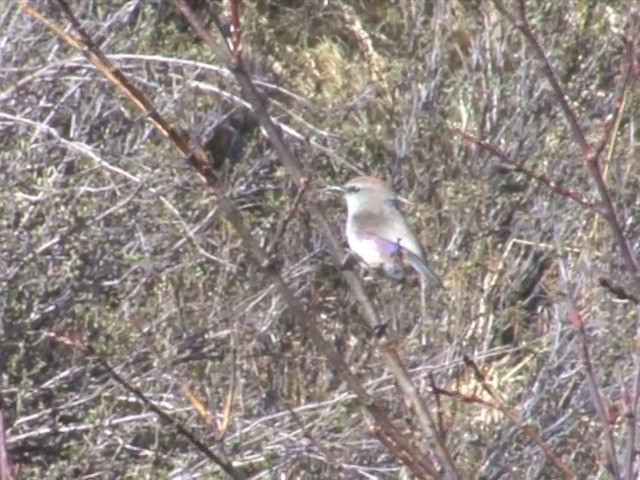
<point x="353" y="189"/>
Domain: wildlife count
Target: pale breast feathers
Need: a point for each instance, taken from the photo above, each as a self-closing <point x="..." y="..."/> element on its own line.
<point x="389" y="228"/>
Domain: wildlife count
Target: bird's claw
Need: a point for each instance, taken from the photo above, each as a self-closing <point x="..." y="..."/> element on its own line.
<point x="348" y="262"/>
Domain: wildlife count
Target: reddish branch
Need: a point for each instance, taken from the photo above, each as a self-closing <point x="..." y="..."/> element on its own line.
<point x="515" y="167"/>
<point x="590" y="156"/>
<point x="528" y="430"/>
<point x="577" y="323"/>
<point x="198" y="159"/>
<point x="256" y="99"/>
<point x="89" y="349"/>
<point x="591" y="159"/>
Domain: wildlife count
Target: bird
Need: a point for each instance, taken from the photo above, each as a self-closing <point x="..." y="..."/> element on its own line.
<point x="377" y="231"/>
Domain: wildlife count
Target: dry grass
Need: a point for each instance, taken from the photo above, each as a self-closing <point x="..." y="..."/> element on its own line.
<point x="107" y="236"/>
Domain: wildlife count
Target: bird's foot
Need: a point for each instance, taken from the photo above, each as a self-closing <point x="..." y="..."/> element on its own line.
<point x="394" y="270"/>
<point x="381" y="330"/>
<point x="348" y="262"/>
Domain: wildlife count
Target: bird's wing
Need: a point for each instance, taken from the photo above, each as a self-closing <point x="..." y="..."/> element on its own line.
<point x="398" y="240"/>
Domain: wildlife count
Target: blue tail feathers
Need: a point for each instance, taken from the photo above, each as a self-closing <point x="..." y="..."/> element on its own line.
<point x="422" y="267"/>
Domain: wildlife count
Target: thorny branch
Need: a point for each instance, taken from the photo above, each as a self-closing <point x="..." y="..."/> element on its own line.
<point x="255" y="98"/>
<point x="502" y="406"/>
<point x="516" y="167"/>
<point x="286" y="218"/>
<point x="88" y="348"/>
<point x="583" y="350"/>
<point x="591" y="158"/>
<point x="589" y="155"/>
<point x="197" y="158"/>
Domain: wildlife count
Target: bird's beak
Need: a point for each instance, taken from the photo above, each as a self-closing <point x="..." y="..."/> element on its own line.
<point x="333" y="188"/>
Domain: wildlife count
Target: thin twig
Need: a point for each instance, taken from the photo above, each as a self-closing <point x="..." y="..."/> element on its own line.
<point x="410" y="462"/>
<point x="618" y="291"/>
<point x="198" y="159"/>
<point x="611" y="127"/>
<point x="528" y="430"/>
<point x="589" y="155"/>
<point x="286" y="218"/>
<point x="435" y="390"/>
<point x="591" y="159"/>
<point x="583" y="352"/>
<point x="516" y="167"/>
<point x="258" y="103"/>
<point x="236" y="30"/>
<point x="423" y="414"/>
<point x="630" y="405"/>
<point x="228" y="407"/>
<point x="88" y="348"/>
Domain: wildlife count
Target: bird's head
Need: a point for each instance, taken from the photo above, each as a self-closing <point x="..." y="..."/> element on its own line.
<point x="362" y="191"/>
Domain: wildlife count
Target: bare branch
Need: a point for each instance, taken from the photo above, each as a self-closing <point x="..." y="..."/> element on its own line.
<point x="589" y="155"/>
<point x="578" y="325"/>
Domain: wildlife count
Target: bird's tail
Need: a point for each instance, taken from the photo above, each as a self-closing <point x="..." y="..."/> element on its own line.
<point x="422" y="267"/>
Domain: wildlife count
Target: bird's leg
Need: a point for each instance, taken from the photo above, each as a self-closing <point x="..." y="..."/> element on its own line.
<point x="398" y="251"/>
<point x="349" y="261"/>
<point x="394" y="270"/>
